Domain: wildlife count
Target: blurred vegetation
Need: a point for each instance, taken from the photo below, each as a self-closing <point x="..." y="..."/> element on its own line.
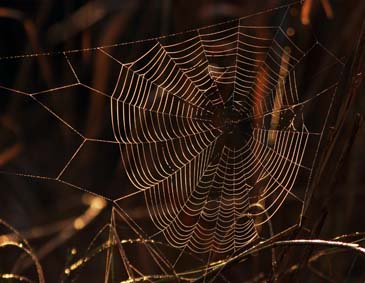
<point x="40" y="215"/>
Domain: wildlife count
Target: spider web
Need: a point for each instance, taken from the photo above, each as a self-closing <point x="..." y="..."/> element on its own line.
<point x="212" y="131"/>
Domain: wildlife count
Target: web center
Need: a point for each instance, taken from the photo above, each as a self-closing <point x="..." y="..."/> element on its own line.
<point x="235" y="125"/>
<point x="230" y="120"/>
<point x="227" y="119"/>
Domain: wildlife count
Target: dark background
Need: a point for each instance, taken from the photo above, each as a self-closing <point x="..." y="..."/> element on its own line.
<point x="33" y="143"/>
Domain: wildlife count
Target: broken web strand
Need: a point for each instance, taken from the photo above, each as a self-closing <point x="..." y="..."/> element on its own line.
<point x="192" y="107"/>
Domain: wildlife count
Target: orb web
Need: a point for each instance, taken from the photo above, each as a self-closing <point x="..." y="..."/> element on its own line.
<point x="212" y="130"/>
